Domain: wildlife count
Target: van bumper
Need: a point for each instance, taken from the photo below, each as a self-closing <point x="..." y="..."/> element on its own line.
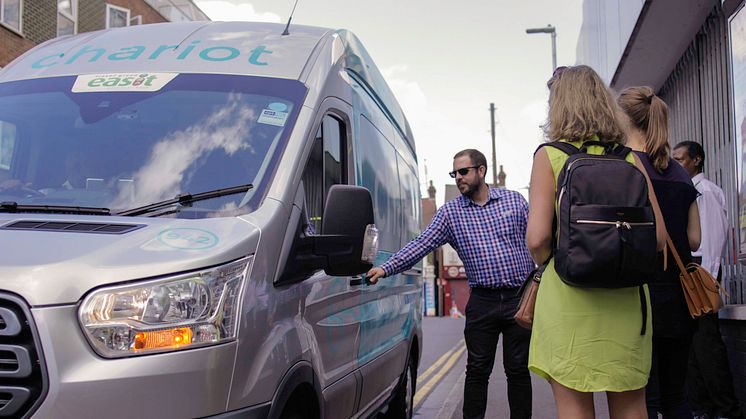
<point x="180" y="384"/>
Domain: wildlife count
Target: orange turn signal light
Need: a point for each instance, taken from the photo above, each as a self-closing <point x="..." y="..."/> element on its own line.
<point x="163" y="339"/>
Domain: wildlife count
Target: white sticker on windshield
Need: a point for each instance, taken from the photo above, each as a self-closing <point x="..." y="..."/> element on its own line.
<point x="122" y="82"/>
<point x="271" y="117"/>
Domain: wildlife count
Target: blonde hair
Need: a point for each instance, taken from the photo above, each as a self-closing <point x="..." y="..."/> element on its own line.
<point x="581" y="106"/>
<point x="648" y="113"/>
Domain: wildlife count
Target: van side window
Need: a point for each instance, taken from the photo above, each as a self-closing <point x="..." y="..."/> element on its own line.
<point x="325" y="167"/>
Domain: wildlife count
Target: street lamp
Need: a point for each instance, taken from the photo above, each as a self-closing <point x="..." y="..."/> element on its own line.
<point x="550" y="30"/>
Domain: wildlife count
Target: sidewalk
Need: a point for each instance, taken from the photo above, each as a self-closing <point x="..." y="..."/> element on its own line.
<point x="445" y="400"/>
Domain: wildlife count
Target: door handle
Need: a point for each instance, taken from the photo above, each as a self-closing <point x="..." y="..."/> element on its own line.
<point x="357" y="280"/>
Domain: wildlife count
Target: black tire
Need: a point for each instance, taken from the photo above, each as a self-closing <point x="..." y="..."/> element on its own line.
<point x="402" y="405"/>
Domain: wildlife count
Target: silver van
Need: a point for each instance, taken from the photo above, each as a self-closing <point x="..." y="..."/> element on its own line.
<point x="186" y="210"/>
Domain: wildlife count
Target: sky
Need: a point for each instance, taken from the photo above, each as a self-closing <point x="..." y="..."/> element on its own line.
<point x="446" y="61"/>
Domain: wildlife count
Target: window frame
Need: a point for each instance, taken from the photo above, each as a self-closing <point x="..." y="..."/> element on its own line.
<point x="109" y="8"/>
<point x="19" y="29"/>
<point x="344" y="158"/>
<point x="73" y="17"/>
<point x="137" y="19"/>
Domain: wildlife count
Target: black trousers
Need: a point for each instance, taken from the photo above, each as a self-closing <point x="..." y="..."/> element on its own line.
<point x="666" y="389"/>
<point x="488" y="314"/>
<point x="709" y="380"/>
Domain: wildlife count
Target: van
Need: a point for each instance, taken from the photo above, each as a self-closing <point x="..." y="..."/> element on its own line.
<point x="186" y="214"/>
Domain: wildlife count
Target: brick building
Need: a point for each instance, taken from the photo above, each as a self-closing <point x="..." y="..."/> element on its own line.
<point x="27" y="23"/>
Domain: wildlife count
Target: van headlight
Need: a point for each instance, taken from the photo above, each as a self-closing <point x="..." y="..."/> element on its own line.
<point x="179" y="312"/>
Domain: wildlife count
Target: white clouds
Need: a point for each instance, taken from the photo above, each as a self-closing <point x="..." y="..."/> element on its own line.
<point x="438" y="132"/>
<point x="223" y="10"/>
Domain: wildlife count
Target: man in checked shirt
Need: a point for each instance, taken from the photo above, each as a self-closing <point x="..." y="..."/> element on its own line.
<point x="487" y="227"/>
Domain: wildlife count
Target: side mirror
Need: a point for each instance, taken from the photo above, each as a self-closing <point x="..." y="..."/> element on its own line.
<point x="348" y="243"/>
<point x="348" y="236"/>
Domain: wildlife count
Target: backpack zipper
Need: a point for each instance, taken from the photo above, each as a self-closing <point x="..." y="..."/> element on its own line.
<point x="618" y="224"/>
<point x="562" y="192"/>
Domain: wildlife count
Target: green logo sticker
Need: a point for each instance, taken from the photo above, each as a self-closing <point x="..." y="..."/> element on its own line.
<point x="122" y="82"/>
<point x="188" y="238"/>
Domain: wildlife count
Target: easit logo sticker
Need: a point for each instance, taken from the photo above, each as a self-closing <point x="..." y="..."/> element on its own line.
<point x="122" y="82"/>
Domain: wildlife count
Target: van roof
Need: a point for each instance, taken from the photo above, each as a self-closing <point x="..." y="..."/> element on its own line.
<point x="242" y="48"/>
<point x="238" y="48"/>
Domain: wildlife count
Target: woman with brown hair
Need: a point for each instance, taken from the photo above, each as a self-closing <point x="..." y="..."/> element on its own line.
<point x="673" y="327"/>
<point x="584" y="340"/>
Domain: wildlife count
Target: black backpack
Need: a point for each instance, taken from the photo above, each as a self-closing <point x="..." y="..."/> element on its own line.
<point x="605" y="225"/>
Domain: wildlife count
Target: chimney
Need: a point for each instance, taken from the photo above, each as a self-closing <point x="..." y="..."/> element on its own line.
<point x="431" y="191"/>
<point x="501" y="178"/>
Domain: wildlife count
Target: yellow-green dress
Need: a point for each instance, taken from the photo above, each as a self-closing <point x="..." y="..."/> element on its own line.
<point x="589" y="339"/>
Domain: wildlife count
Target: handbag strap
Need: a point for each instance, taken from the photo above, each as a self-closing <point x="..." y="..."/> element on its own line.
<point x="676" y="256"/>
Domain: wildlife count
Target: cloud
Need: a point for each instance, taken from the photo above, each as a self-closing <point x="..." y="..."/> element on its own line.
<point x="176" y="157"/>
<point x="437" y="136"/>
<point x="223" y="10"/>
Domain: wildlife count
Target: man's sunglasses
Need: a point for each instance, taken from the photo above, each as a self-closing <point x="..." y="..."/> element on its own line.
<point x="462" y="171"/>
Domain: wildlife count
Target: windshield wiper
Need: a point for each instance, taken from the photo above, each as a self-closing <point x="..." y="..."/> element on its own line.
<point x="10" y="206"/>
<point x="186" y="198"/>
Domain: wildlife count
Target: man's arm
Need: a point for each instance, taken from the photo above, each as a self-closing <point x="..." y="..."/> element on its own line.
<point x="712" y="219"/>
<point x="435" y="235"/>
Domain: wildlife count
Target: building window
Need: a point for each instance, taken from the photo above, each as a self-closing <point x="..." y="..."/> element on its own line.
<point x="137" y="20"/>
<point x="10" y="13"/>
<point x="117" y="17"/>
<point x="67" y="21"/>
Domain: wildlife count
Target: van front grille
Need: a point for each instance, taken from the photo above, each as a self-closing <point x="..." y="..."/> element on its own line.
<point x="23" y="378"/>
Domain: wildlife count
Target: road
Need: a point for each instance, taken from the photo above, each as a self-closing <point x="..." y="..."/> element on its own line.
<point x="440" y="378"/>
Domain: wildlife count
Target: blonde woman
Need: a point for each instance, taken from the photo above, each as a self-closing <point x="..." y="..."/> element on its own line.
<point x="584" y="340"/>
<point x="673" y="327"/>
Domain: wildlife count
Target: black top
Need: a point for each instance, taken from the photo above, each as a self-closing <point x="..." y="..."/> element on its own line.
<point x="675" y="193"/>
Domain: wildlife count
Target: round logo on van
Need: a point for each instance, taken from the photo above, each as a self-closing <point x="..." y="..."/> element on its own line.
<point x="188" y="238"/>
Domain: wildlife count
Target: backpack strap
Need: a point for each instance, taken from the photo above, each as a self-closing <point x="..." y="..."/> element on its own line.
<point x="621" y="150"/>
<point x="614" y="149"/>
<point x="564" y="147"/>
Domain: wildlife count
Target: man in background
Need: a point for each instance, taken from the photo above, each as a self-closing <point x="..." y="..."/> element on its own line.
<point x="709" y="381"/>
<point x="487" y="227"/>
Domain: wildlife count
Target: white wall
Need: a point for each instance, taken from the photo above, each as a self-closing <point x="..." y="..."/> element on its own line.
<point x="607" y="27"/>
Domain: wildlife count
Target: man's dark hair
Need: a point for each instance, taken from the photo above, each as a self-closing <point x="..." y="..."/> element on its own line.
<point x="476" y="156"/>
<point x="694" y="149"/>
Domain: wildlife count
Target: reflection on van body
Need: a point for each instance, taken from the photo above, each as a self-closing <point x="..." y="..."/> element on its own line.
<point x="177" y="237"/>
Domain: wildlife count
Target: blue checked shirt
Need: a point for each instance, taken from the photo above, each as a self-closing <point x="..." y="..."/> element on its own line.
<point x="489" y="239"/>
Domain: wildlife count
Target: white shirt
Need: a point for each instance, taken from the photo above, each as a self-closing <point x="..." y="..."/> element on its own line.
<point x="713" y="223"/>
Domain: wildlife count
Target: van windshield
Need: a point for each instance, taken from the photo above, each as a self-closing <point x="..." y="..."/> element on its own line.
<point x="125" y="149"/>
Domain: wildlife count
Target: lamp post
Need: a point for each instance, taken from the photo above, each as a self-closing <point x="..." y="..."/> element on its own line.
<point x="552" y="31"/>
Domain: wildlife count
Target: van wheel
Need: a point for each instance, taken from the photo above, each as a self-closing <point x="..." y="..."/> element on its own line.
<point x="302" y="405"/>
<point x="402" y="405"/>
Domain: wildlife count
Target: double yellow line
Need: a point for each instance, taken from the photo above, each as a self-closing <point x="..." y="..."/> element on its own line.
<point x="432" y="376"/>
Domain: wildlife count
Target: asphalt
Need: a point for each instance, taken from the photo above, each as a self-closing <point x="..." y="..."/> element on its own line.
<point x="441" y="390"/>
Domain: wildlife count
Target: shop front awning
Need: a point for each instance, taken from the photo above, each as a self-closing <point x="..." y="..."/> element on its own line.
<point x="664" y="30"/>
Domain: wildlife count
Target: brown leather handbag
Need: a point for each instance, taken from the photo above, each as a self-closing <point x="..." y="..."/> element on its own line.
<point x="701" y="290"/>
<point x="524" y="316"/>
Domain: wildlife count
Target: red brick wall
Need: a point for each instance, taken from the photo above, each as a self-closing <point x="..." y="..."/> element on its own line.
<point x="93" y="13"/>
<point x="13" y="45"/>
<point x="40" y="22"/>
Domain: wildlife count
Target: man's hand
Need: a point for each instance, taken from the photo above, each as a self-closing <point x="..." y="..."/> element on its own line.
<point x="374" y="274"/>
